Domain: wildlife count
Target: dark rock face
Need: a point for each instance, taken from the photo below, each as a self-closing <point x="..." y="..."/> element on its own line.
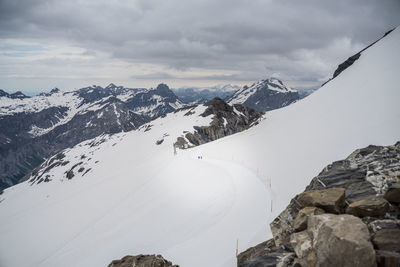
<point x="162" y="99"/>
<point x="393" y="193"/>
<point x="387" y="239"/>
<point x="387" y="258"/>
<point x="265" y="254"/>
<point x="226" y="120"/>
<point x="366" y="176"/>
<point x="265" y="95"/>
<point x="28" y="138"/>
<point x="348" y="62"/>
<point x="142" y="261"/>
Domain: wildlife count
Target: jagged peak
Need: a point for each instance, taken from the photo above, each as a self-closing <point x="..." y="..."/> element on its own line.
<point x="111" y="86"/>
<point x="54" y="90"/>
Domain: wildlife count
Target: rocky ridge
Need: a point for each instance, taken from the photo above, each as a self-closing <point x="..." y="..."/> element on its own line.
<point x="142" y="261"/>
<point x="349" y="215"/>
<point x="348" y="62"/>
<point x="16" y="95"/>
<point x="226" y="120"/>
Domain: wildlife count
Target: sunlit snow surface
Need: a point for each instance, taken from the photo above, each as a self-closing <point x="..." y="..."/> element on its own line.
<point x="140" y="198"/>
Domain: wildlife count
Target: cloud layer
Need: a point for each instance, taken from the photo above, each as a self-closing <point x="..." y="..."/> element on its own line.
<point x="45" y="43"/>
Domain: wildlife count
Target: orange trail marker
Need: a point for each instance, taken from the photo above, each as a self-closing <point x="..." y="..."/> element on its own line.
<point x="237" y="247"/>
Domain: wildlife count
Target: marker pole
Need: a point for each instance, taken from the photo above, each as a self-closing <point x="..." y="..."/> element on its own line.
<point x="237" y="247"/>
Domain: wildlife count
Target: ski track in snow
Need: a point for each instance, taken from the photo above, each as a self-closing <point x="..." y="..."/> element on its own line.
<point x="232" y="216"/>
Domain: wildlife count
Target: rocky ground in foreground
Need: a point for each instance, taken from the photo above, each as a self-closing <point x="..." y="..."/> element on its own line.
<point x="349" y="215"/>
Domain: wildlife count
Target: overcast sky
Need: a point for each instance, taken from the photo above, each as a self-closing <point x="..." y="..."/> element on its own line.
<point x="139" y="43"/>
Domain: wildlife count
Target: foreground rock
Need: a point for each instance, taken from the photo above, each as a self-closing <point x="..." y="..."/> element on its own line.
<point x="387" y="239"/>
<point x="365" y="185"/>
<point x="300" y="223"/>
<point x="265" y="254"/>
<point x="368" y="207"/>
<point x="142" y="261"/>
<point x="331" y="200"/>
<point x="393" y="193"/>
<point x="334" y="240"/>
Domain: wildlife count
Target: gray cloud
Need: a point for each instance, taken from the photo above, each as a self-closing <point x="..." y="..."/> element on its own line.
<point x="238" y="40"/>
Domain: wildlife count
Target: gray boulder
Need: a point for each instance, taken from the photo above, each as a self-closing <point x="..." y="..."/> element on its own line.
<point x="340" y="240"/>
<point x="300" y="223"/>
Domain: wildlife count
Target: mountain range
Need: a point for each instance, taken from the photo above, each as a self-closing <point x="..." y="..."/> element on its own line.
<point x="175" y="187"/>
<point x="34" y="128"/>
<point x="265" y="95"/>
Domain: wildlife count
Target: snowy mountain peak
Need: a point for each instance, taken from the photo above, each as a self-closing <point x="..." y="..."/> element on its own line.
<point x="111" y="85"/>
<point x="272" y="84"/>
<point x="264" y="95"/>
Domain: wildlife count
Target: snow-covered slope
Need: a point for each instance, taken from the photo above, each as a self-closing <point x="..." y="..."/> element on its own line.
<point x="265" y="95"/>
<point x="140" y="198"/>
<point x="37" y="127"/>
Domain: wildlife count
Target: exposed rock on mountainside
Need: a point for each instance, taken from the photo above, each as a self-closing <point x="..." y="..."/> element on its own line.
<point x="142" y="261"/>
<point x="358" y="186"/>
<point x="226" y="120"/>
<point x="35" y="128"/>
<point x="348" y="62"/>
<point x="265" y="95"/>
<point x="16" y="95"/>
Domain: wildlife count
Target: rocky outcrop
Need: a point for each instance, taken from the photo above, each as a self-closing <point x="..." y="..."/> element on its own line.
<point x="266" y="254"/>
<point x="142" y="261"/>
<point x="334" y="240"/>
<point x="363" y="185"/>
<point x="350" y="61"/>
<point x="226" y="120"/>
